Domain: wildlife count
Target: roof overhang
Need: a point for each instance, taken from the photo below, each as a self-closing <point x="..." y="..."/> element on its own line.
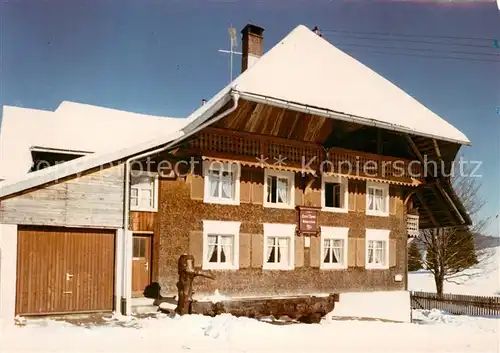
<point x="324" y="112"/>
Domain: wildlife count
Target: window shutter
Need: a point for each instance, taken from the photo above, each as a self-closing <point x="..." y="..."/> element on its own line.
<point x="351" y="201"/>
<point x="257" y="250"/>
<point x="197" y="187"/>
<point x="196" y="247"/>
<point x="245" y="191"/>
<point x="351" y="252"/>
<point x="392" y="205"/>
<point x="257" y="193"/>
<point x="361" y="197"/>
<point x="360" y="252"/>
<point x="392" y="252"/>
<point x="315" y="253"/>
<point x="315" y="197"/>
<point x="245" y="247"/>
<point x="299" y="196"/>
<point x="299" y="251"/>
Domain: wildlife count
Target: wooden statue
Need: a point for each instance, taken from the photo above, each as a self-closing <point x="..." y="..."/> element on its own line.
<point x="187" y="273"/>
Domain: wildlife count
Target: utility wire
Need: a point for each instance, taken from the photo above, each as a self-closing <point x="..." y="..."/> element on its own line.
<point x="420" y="49"/>
<point x="414" y="41"/>
<point x="430" y="56"/>
<point x="406" y="35"/>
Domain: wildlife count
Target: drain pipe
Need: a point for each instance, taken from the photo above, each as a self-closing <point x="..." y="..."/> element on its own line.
<point x="127" y="235"/>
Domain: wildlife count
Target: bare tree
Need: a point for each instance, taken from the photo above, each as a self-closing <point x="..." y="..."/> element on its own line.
<point x="449" y="251"/>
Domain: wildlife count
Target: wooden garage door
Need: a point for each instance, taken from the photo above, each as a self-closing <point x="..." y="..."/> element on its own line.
<point x="63" y="270"/>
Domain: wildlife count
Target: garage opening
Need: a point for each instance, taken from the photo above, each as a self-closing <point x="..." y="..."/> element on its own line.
<point x="64" y="270"/>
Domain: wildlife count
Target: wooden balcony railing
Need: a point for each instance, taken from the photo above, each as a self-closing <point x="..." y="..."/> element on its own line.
<point x="237" y="145"/>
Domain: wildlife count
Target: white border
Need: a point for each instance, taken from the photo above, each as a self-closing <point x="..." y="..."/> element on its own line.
<point x="8" y="273"/>
<point x="291" y="188"/>
<point x="335" y="179"/>
<point x="155" y="177"/>
<point x="385" y="188"/>
<point x="334" y="233"/>
<point x="279" y="230"/>
<point x="224" y="166"/>
<point x="222" y="228"/>
<point x="377" y="234"/>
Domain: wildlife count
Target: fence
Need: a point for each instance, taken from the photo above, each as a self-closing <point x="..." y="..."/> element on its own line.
<point x="456" y="304"/>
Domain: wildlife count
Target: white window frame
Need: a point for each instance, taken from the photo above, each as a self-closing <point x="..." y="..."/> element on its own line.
<point x="377" y="235"/>
<point x="344" y="191"/>
<point x="272" y="230"/>
<point x="211" y="227"/>
<point x="154" y="176"/>
<point x="335" y="233"/>
<point x="291" y="188"/>
<point x="221" y="166"/>
<point x="385" y="189"/>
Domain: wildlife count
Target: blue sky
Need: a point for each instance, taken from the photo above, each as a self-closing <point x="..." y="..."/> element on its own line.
<point x="160" y="57"/>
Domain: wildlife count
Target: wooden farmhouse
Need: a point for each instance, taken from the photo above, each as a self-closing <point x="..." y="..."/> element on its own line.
<point x="306" y="175"/>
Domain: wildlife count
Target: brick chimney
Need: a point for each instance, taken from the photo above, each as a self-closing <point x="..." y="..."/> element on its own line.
<point x="251" y="42"/>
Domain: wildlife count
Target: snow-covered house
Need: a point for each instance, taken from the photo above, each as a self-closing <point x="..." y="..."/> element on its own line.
<point x="297" y="178"/>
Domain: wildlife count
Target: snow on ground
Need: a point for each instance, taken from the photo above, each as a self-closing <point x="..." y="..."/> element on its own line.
<point x="482" y="279"/>
<point x="435" y="332"/>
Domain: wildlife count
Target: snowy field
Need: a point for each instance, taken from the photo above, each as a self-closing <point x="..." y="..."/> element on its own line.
<point x="483" y="279"/>
<point x="434" y="332"/>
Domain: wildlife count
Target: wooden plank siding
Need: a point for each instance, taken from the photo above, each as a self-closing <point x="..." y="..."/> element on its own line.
<point x="92" y="200"/>
<point x="63" y="270"/>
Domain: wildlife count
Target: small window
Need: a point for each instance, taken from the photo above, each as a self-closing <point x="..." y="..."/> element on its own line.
<point x="377" y="248"/>
<point x="144" y="192"/>
<point x="139" y="248"/>
<point x="334" y="247"/>
<point x="220" y="245"/>
<point x="279" y="189"/>
<point x="279" y="246"/>
<point x="222" y="183"/>
<point x="377" y="199"/>
<point x="334" y="192"/>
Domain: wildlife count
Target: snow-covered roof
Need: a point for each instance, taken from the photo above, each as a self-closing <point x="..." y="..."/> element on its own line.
<point x="73" y="126"/>
<point x="305" y="69"/>
<point x="302" y="69"/>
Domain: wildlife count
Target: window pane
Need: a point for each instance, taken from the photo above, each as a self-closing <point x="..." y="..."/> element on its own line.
<point x="213" y="180"/>
<point x="283" y="253"/>
<point x="282" y="187"/>
<point x="226" y="249"/>
<point x="271" y="250"/>
<point x="212" y="248"/>
<point x="333" y="197"/>
<point x="136" y="247"/>
<point x="227" y="185"/>
<point x="371" y="200"/>
<point x="272" y="189"/>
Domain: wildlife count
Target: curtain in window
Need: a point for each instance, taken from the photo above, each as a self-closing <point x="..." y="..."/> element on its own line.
<point x="371" y="197"/>
<point x="379" y="252"/>
<point x="283" y="253"/>
<point x="213" y="179"/>
<point x="227" y="186"/>
<point x="326" y="251"/>
<point x="379" y="198"/>
<point x="337" y="247"/>
<point x="212" y="248"/>
<point x="370" y="252"/>
<point x="282" y="186"/>
<point x="270" y="250"/>
<point x="226" y="245"/>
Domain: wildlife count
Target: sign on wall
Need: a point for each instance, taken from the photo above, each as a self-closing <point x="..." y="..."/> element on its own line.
<point x="308" y="220"/>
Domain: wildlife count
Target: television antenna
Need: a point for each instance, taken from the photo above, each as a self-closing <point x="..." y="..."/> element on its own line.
<point x="233" y="45"/>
